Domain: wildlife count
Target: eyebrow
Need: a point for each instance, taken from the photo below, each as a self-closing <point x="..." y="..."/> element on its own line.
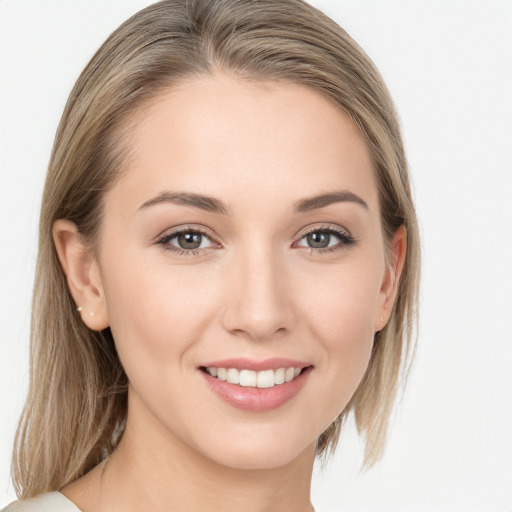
<point x="209" y="204"/>
<point x="212" y="205"/>
<point x="322" y="200"/>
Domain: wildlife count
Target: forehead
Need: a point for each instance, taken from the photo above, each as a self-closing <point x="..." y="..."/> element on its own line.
<point x="219" y="133"/>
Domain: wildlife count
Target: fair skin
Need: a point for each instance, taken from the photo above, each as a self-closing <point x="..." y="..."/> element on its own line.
<point x="270" y="276"/>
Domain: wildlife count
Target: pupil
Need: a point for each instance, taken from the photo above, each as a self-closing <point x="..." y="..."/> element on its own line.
<point x="189" y="240"/>
<point x="318" y="240"/>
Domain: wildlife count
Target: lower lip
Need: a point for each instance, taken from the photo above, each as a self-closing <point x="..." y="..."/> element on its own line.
<point x="257" y="399"/>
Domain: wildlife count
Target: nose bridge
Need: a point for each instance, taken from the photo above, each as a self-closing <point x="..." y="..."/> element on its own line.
<point x="257" y="298"/>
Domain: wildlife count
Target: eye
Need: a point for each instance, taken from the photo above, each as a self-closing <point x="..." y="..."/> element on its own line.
<point x="189" y="240"/>
<point x="186" y="241"/>
<point x="326" y="238"/>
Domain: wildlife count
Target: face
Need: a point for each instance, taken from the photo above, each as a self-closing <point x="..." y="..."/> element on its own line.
<point x="243" y="242"/>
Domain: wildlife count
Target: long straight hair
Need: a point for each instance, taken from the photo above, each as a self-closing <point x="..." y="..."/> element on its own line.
<point x="77" y="401"/>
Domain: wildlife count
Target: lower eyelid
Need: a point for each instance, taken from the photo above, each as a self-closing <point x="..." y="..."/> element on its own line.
<point x="179" y="251"/>
<point x="344" y="240"/>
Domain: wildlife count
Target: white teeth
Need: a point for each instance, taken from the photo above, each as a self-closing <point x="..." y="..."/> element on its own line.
<point x="279" y="376"/>
<point x="250" y="378"/>
<point x="247" y="378"/>
<point x="266" y="379"/>
<point x="233" y="376"/>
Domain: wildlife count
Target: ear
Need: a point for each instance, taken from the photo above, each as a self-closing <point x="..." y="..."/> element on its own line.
<point x="389" y="288"/>
<point x="82" y="273"/>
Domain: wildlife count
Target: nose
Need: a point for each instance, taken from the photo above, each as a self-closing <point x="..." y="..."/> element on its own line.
<point x="258" y="297"/>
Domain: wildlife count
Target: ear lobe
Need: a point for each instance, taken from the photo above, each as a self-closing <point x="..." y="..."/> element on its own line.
<point x="389" y="289"/>
<point x="82" y="274"/>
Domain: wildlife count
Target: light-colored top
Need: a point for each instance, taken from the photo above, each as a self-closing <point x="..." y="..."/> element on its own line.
<point x="49" y="502"/>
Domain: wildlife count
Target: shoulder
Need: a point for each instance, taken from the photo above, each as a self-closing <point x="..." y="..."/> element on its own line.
<point x="49" y="502"/>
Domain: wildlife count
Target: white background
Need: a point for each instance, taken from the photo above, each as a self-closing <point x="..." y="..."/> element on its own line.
<point x="449" y="67"/>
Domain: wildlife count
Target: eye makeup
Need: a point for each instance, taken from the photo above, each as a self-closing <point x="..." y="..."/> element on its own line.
<point x="319" y="235"/>
<point x="192" y="241"/>
<point x="194" y="237"/>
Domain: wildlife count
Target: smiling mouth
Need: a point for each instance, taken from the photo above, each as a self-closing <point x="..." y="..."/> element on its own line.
<point x="255" y="379"/>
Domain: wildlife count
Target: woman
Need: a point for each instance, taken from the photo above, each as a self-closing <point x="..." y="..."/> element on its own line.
<point x="228" y="265"/>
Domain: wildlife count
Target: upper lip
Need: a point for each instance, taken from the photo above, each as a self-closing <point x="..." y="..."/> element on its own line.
<point x="242" y="363"/>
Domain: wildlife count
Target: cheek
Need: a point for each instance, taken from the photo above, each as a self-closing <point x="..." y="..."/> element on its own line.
<point x="155" y="316"/>
<point x="342" y="301"/>
<point x="340" y="310"/>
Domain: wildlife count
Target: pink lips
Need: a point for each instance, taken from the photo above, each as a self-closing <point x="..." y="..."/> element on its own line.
<point x="256" y="399"/>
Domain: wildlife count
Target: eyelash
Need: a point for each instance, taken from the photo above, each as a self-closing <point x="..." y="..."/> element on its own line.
<point x="345" y="240"/>
<point x="165" y="239"/>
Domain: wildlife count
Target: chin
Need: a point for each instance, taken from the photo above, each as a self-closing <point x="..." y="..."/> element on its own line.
<point x="261" y="452"/>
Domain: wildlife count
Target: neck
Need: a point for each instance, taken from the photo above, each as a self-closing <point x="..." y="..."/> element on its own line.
<point x="181" y="479"/>
<point x="159" y="472"/>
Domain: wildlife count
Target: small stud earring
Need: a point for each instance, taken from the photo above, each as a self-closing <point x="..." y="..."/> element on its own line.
<point x="79" y="309"/>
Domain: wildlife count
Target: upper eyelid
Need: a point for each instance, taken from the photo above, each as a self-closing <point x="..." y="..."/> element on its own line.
<point x="164" y="240"/>
<point x="203" y="230"/>
<point x="323" y="227"/>
<point x="345" y="238"/>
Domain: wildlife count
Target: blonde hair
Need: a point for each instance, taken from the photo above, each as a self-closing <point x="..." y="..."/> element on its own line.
<point x="76" y="405"/>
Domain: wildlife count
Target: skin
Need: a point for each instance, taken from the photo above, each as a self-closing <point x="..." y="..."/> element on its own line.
<point x="255" y="288"/>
